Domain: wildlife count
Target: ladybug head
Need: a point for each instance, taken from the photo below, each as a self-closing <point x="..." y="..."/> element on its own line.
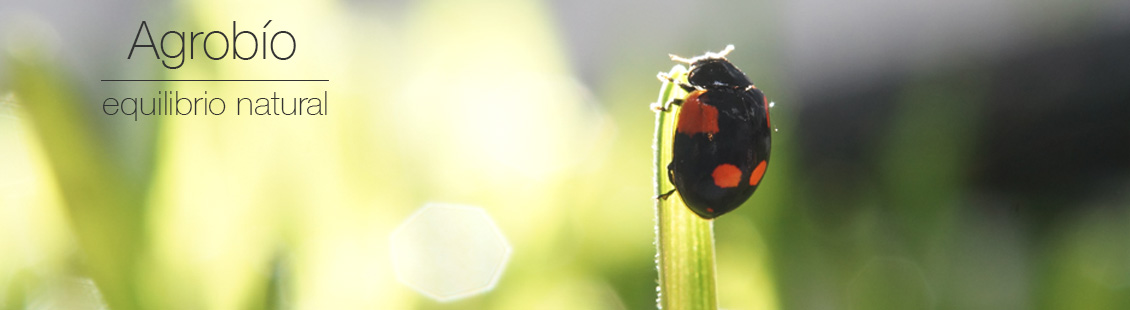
<point x="716" y="72"/>
<point x="713" y="70"/>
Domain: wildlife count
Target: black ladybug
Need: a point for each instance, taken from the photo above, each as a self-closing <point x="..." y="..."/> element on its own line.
<point x="722" y="136"/>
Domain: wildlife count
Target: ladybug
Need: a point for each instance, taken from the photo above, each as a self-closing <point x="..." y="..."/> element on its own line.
<point x="722" y="136"/>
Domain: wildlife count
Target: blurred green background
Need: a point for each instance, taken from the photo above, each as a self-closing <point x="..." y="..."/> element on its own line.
<point x="931" y="155"/>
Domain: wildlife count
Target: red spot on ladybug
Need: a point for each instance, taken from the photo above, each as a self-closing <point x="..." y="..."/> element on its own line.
<point x="757" y="173"/>
<point x="697" y="117"/>
<point x="727" y="175"/>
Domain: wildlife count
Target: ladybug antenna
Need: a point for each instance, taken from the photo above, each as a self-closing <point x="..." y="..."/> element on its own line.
<point x="681" y="59"/>
<point x="725" y="51"/>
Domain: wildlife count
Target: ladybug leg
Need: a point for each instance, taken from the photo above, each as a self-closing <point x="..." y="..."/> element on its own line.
<point x="670" y="177"/>
<point x="664" y="107"/>
<point x="663" y="77"/>
<point x="671" y="172"/>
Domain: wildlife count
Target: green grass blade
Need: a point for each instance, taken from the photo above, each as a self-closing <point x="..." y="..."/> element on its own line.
<point x="685" y="241"/>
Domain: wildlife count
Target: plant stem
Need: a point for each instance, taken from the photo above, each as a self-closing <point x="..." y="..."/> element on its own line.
<point x="684" y="241"/>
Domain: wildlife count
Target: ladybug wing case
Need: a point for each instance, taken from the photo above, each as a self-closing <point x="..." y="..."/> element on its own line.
<point x="716" y="172"/>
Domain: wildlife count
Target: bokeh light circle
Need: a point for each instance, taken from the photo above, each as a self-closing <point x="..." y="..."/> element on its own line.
<point x="449" y="252"/>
